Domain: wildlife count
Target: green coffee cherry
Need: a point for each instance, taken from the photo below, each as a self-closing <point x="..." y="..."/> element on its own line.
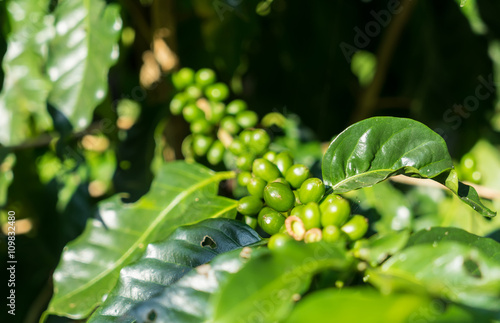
<point x="282" y="181"/>
<point x="187" y="147"/>
<point x="259" y="141"/>
<point x="249" y="205"/>
<point x="178" y="102"/>
<point x="296" y="211"/>
<point x="244" y="178"/>
<point x="246" y="136"/>
<point x="270" y="220"/>
<point x="310" y="215"/>
<point x="183" y="78"/>
<point x="256" y="187"/>
<point x="312" y="190"/>
<point x="284" y="161"/>
<point x="217" y="92"/>
<point x="335" y="210"/>
<point x="356" y="227"/>
<point x="204" y="77"/>
<point x="216" y="153"/>
<point x="297" y="174"/>
<point x="247" y="119"/>
<point x="217" y="112"/>
<point x="278" y="240"/>
<point x="191" y="112"/>
<point x="236" y="106"/>
<point x="297" y="198"/>
<point x="201" y="126"/>
<point x="270" y="155"/>
<point x="236" y="147"/>
<point x="278" y="196"/>
<point x="250" y="221"/>
<point x="295" y="227"/>
<point x="265" y="169"/>
<point x="193" y="92"/>
<point x="313" y="235"/>
<point x="332" y="233"/>
<point x="229" y="124"/>
<point x="244" y="161"/>
<point x="201" y="144"/>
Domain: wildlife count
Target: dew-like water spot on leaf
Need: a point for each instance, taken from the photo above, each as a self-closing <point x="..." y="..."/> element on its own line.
<point x="208" y="242"/>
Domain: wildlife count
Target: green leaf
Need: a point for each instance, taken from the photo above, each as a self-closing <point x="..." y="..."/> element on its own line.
<point x="165" y="262"/>
<point x="266" y="286"/>
<point x="488" y="247"/>
<point x="360" y="305"/>
<point x="25" y="87"/>
<point x="181" y="194"/>
<point x="189" y="299"/>
<point x="81" y="53"/>
<point x="378" y="247"/>
<point x="375" y="149"/>
<point x="240" y="287"/>
<point x="446" y="269"/>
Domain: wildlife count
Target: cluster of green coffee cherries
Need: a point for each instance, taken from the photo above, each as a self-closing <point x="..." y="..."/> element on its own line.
<point x="284" y="200"/>
<point x="200" y="101"/>
<point x="287" y="203"/>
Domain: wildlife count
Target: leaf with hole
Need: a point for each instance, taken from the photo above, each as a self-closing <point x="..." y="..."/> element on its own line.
<point x="240" y="287"/>
<point x="167" y="261"/>
<point x="181" y="194"/>
<point x="451" y="270"/>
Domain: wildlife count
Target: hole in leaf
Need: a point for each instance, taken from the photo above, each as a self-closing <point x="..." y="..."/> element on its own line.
<point x="472" y="268"/>
<point x="152" y="316"/>
<point x="208" y="242"/>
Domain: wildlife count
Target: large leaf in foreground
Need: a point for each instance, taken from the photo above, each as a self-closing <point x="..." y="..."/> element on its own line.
<point x="446" y="269"/>
<point x="81" y="53"/>
<point x="165" y="262"/>
<point x="181" y="194"/>
<point x="259" y="286"/>
<point x="359" y="305"/>
<point x="374" y="149"/>
<point x="25" y="87"/>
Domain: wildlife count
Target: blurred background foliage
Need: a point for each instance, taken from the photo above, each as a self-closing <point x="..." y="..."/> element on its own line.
<point x="72" y="134"/>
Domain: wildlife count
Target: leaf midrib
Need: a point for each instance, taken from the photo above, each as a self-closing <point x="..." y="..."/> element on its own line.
<point x="215" y="178"/>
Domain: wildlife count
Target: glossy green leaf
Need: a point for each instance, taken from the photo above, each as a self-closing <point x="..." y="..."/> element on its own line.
<point x="262" y="289"/>
<point x="25" y="87"/>
<point x="488" y="247"/>
<point x="189" y="299"/>
<point x="81" y="53"/>
<point x="447" y="269"/>
<point x="374" y="149"/>
<point x="165" y="262"/>
<point x="266" y="286"/>
<point x="181" y="194"/>
<point x="360" y="305"/>
<point x="378" y="247"/>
